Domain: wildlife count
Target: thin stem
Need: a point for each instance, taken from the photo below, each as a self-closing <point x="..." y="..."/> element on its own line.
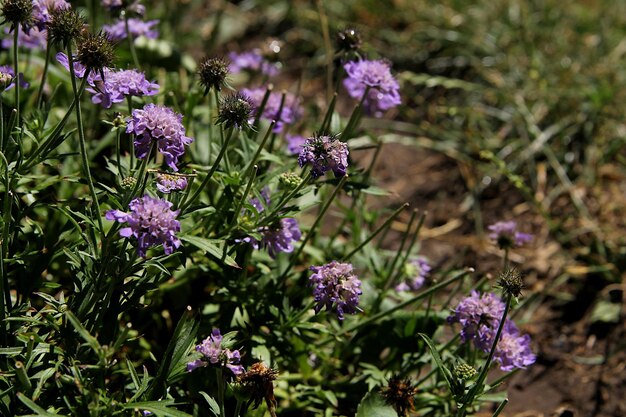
<point x="392" y="267"/>
<point x="118" y="135"/>
<point x="289" y="196"/>
<point x="220" y="392"/>
<point x="81" y="135"/>
<point x="500" y="407"/>
<point x="259" y="149"/>
<point x="244" y="196"/>
<point x="16" y="67"/>
<point x="131" y="41"/>
<point x="45" y="73"/>
<point x="5" y="295"/>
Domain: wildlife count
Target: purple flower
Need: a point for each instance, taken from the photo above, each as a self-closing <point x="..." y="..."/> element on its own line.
<point x="151" y="221"/>
<point x="79" y="69"/>
<point x="118" y="85"/>
<point x="295" y="143"/>
<point x="253" y="61"/>
<point x="417" y="270"/>
<point x="167" y="183"/>
<point x="35" y="39"/>
<point x="335" y="284"/>
<point x="513" y="350"/>
<point x="112" y="4"/>
<point x="137" y="27"/>
<point x="215" y="354"/>
<point x="117" y="5"/>
<point x="289" y="113"/>
<point x="376" y="75"/>
<point x="7" y="78"/>
<point x="42" y="9"/>
<point x="324" y="153"/>
<point x="479" y="316"/>
<point x="160" y="123"/>
<point x="505" y="234"/>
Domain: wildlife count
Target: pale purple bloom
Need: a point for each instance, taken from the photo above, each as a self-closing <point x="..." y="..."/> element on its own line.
<point x="35" y="38"/>
<point x="384" y="90"/>
<point x="335" y="285"/>
<point x="167" y="183"/>
<point x="505" y="234"/>
<point x="252" y="61"/>
<point x="137" y="27"/>
<point x="215" y="354"/>
<point x="160" y="123"/>
<point x="7" y="76"/>
<point x="513" y="350"/>
<point x="112" y="4"/>
<point x="295" y="143"/>
<point x="151" y="221"/>
<point x="324" y="153"/>
<point x="417" y="271"/>
<point x="118" y="85"/>
<point x="42" y="9"/>
<point x="117" y="5"/>
<point x="288" y="114"/>
<point x="479" y="316"/>
<point x="79" y="69"/>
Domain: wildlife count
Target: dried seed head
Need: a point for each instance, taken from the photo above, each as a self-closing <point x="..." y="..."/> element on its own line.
<point x="213" y="72"/>
<point x="259" y="384"/>
<point x="64" y="25"/>
<point x="511" y="283"/>
<point x="464" y="372"/>
<point x="399" y="394"/>
<point x="349" y="40"/>
<point x="235" y="111"/>
<point x="17" y="12"/>
<point x="95" y="51"/>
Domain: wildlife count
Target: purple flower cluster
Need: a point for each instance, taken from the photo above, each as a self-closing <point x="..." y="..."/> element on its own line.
<point x="295" y="144"/>
<point x="117" y="85"/>
<point x="479" y="316"/>
<point x="288" y="113"/>
<point x="166" y="183"/>
<point x="151" y="221"/>
<point x="7" y="78"/>
<point x="137" y="27"/>
<point x="42" y="9"/>
<point x="215" y="354"/>
<point x="335" y="284"/>
<point x="162" y="124"/>
<point x="384" y="90"/>
<point x="324" y="153"/>
<point x="36" y="36"/>
<point x="505" y="234"/>
<point x="417" y="270"/>
<point x="251" y="61"/>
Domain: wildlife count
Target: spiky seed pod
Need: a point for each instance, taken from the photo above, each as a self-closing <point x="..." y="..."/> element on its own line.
<point x="511" y="283"/>
<point x="259" y="384"/>
<point x="95" y="51"/>
<point x="64" y="25"/>
<point x="399" y="394"/>
<point x="349" y="40"/>
<point x="17" y="12"/>
<point x="235" y="111"/>
<point x="212" y="73"/>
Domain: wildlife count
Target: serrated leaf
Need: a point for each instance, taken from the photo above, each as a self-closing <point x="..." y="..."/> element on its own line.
<point x="374" y="405"/>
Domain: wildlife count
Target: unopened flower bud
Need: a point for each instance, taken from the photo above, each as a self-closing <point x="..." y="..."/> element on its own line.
<point x="128" y="183"/>
<point x="464" y="372"/>
<point x="212" y="73"/>
<point x="289" y="180"/>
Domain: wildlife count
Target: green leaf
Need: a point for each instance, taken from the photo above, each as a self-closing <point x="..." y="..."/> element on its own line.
<point x="213" y="405"/>
<point x="40" y="411"/>
<point x="159" y="408"/>
<point x="91" y="341"/>
<point x="210" y="247"/>
<point x="435" y="354"/>
<point x="374" y="405"/>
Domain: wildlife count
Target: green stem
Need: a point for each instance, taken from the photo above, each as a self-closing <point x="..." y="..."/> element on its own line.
<point x="501" y="407"/>
<point x="220" y="392"/>
<point x="81" y="136"/>
<point x="5" y="295"/>
<point x="243" y="197"/>
<point x="45" y="73"/>
<point x="131" y="42"/>
<point x="259" y="149"/>
<point x="288" y="197"/>
<point x="16" y="67"/>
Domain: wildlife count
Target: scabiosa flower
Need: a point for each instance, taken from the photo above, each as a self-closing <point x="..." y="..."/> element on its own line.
<point x="17" y="12"/>
<point x="505" y="234"/>
<point x="64" y="24"/>
<point x="42" y="10"/>
<point x="117" y="85"/>
<point x="416" y="270"/>
<point x="513" y="350"/>
<point x="215" y="354"/>
<point x="479" y="315"/>
<point x="167" y="183"/>
<point x="34" y="39"/>
<point x="137" y="27"/>
<point x="95" y="51"/>
<point x="289" y="113"/>
<point x="252" y="61"/>
<point x="235" y="111"/>
<point x="324" y="153"/>
<point x="335" y="285"/>
<point x="295" y="144"/>
<point x="7" y="78"/>
<point x="162" y="124"/>
<point x="79" y="69"/>
<point x="280" y="236"/>
<point x="151" y="221"/>
<point x="115" y="6"/>
<point x="376" y="75"/>
<point x="349" y="40"/>
<point x="212" y="73"/>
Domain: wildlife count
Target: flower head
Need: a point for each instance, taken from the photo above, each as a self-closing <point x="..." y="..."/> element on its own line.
<point x="383" y="91"/>
<point x="95" y="51"/>
<point x="251" y="61"/>
<point x="117" y="85"/>
<point x="17" y="12"/>
<point x="42" y="10"/>
<point x="166" y="183"/>
<point x="513" y="350"/>
<point x="215" y="354"/>
<point x="137" y="27"/>
<point x="258" y="381"/>
<point x="324" y="153"/>
<point x="479" y="315"/>
<point x="349" y="40"/>
<point x="295" y="144"/>
<point x="284" y="111"/>
<point x="115" y="6"/>
<point x="335" y="285"/>
<point x="235" y="111"/>
<point x="64" y="24"/>
<point x="162" y="124"/>
<point x="416" y="270"/>
<point x="400" y="393"/>
<point x="151" y="221"/>
<point x="7" y="78"/>
<point x="505" y="234"/>
<point x="212" y="73"/>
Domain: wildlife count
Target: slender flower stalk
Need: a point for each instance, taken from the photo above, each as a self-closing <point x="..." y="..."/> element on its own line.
<point x="131" y="41"/>
<point x="45" y="73"/>
<point x="16" y="67"/>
